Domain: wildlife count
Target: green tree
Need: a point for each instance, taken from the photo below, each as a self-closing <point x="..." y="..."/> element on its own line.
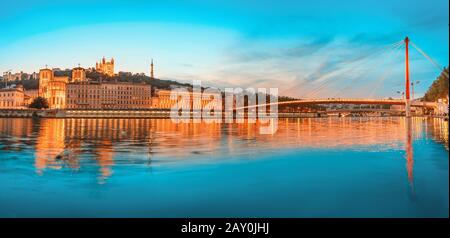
<point x="39" y="103"/>
<point x="439" y="88"/>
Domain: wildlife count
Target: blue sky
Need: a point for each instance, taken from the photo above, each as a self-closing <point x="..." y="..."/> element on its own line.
<point x="319" y="48"/>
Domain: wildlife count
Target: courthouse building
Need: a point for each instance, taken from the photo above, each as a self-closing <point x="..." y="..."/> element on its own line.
<point x="81" y="93"/>
<point x="108" y="95"/>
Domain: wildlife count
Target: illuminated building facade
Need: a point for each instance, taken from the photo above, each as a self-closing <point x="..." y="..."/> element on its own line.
<point x="79" y="92"/>
<point x="45" y="76"/>
<point x="110" y="95"/>
<point x="195" y="101"/>
<point x="78" y="75"/>
<point x="53" y="88"/>
<point x="105" y="67"/>
<point x="12" y="98"/>
<point x="58" y="92"/>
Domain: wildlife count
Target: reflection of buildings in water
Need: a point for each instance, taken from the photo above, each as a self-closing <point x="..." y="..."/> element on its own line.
<point x="198" y="137"/>
<point x="330" y="133"/>
<point x="166" y="136"/>
<point x="17" y="128"/>
<point x="50" y="144"/>
<point x="105" y="137"/>
<point x="89" y="136"/>
<point x="15" y="134"/>
<point x="439" y="130"/>
<point x="140" y="130"/>
<point x="70" y="139"/>
<point x="104" y="157"/>
<point x="57" y="144"/>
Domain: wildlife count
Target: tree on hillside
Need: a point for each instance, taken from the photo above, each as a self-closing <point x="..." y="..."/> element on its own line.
<point x="39" y="103"/>
<point x="439" y="88"/>
<point x="135" y="78"/>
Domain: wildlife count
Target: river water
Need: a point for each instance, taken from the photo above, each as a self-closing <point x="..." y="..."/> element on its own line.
<point x="315" y="167"/>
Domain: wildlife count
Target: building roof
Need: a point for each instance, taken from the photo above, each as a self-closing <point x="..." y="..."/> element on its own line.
<point x="108" y="82"/>
<point x="10" y="90"/>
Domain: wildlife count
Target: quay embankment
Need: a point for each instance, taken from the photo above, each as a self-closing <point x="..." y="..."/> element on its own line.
<point x="66" y="113"/>
<point x="161" y="113"/>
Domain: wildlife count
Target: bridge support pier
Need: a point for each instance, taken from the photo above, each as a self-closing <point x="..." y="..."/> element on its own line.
<point x="408" y="108"/>
<point x="407" y="83"/>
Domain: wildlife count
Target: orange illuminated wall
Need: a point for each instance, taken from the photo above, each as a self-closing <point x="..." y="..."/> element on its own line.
<point x="78" y="74"/>
<point x="53" y="88"/>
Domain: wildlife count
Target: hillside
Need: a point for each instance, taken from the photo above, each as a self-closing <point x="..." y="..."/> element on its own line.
<point x="439" y="88"/>
<point x="135" y="78"/>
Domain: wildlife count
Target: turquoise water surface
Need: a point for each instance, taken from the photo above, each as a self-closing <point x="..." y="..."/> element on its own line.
<point x="323" y="167"/>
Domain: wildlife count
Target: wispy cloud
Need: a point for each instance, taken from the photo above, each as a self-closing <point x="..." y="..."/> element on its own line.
<point x="322" y="67"/>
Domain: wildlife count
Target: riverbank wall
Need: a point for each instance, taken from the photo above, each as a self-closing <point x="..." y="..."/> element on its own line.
<point x="64" y="113"/>
<point x="55" y="113"/>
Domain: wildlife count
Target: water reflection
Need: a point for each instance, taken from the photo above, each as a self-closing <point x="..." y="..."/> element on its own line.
<point x="409" y="153"/>
<point x="74" y="143"/>
<point x="50" y="145"/>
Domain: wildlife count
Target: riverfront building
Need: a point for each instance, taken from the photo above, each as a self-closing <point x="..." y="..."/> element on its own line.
<point x="195" y="101"/>
<point x="53" y="88"/>
<point x="108" y="95"/>
<point x="75" y="91"/>
<point x="81" y="93"/>
<point x="12" y="98"/>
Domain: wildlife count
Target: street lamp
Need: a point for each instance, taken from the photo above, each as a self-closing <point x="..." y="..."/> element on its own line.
<point x="412" y="87"/>
<point x="402" y="93"/>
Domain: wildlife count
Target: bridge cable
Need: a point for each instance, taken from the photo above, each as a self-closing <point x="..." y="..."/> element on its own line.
<point x="359" y="61"/>
<point x="364" y="60"/>
<point x="382" y="77"/>
<point x="387" y="72"/>
<point x="429" y="58"/>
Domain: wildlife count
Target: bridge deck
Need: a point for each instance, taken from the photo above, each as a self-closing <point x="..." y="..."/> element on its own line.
<point x="349" y="101"/>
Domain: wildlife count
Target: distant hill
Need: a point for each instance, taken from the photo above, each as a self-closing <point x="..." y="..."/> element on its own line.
<point x="136" y="78"/>
<point x="96" y="76"/>
<point x="439" y="88"/>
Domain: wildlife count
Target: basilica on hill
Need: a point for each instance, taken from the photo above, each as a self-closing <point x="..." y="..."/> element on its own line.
<point x="105" y="67"/>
